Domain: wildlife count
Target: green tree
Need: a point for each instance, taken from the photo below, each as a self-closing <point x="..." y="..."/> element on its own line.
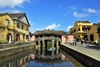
<point x="98" y="29"/>
<point x="64" y="32"/>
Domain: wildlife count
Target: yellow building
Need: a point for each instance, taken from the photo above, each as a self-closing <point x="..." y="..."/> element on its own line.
<point x="14" y="27"/>
<point x="80" y="29"/>
<point x="93" y="35"/>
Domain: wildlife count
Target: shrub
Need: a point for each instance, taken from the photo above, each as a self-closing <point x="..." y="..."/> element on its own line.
<point x="3" y="41"/>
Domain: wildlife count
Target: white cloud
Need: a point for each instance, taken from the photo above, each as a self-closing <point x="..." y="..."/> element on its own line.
<point x="10" y="11"/>
<point x="70" y="10"/>
<point x="72" y="7"/>
<point x="53" y="26"/>
<point x="66" y="13"/>
<point x="60" y="6"/>
<point x="80" y="15"/>
<point x="15" y="11"/>
<point x="68" y="28"/>
<point x="12" y="3"/>
<point x="91" y="10"/>
<point x="32" y="29"/>
<point x="38" y="29"/>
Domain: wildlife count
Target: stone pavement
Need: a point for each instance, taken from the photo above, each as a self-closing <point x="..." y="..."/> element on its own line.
<point x="91" y="51"/>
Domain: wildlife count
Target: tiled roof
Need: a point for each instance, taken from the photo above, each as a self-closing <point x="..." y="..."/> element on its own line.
<point x="3" y="14"/>
<point x="48" y="32"/>
<point x="83" y="21"/>
<point x="16" y="15"/>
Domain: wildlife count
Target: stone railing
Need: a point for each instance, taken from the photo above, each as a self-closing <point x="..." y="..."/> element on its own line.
<point x="15" y="49"/>
<point x="48" y="38"/>
<point x="87" y="60"/>
<point x="2" y="46"/>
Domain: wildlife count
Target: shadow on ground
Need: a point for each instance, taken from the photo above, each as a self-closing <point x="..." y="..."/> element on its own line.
<point x="95" y="47"/>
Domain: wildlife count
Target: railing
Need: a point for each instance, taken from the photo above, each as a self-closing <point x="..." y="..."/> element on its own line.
<point x="48" y="38"/>
<point x="82" y="31"/>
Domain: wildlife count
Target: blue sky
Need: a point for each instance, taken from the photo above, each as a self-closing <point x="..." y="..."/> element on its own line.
<point x="53" y="14"/>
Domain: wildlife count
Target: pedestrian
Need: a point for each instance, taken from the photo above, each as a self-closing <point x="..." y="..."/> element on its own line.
<point x="81" y="41"/>
<point x="74" y="42"/>
<point x="85" y="40"/>
<point x="96" y="42"/>
<point x="87" y="43"/>
<point x="71" y="42"/>
<point x="66" y="41"/>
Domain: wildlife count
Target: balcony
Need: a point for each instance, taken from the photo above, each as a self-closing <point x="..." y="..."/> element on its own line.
<point x="22" y="31"/>
<point x="82" y="31"/>
<point x="2" y="25"/>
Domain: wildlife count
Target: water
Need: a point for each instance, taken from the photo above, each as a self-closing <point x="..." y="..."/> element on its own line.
<point x="32" y="59"/>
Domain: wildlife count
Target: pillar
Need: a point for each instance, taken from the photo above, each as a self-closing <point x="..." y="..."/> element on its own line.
<point x="80" y="28"/>
<point x="57" y="47"/>
<point x="39" y="47"/>
<point x="52" y="47"/>
<point x="43" y="48"/>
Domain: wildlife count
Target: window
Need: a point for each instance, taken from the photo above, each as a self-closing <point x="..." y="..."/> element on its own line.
<point x="74" y="30"/>
<point x="91" y="37"/>
<point x="78" y="29"/>
<point x="71" y="31"/>
<point x="27" y="28"/>
<point x="22" y="26"/>
<point x="15" y="22"/>
<point x="27" y="37"/>
<point x="88" y="27"/>
<point x="7" y="22"/>
<point x="23" y="36"/>
<point x="18" y="25"/>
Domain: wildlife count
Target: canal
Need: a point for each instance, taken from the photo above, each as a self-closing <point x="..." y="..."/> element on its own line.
<point x="31" y="58"/>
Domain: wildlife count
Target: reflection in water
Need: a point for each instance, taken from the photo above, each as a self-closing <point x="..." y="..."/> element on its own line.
<point x="32" y="56"/>
<point x="49" y="60"/>
<point x="58" y="62"/>
<point x="17" y="60"/>
<point x="35" y="58"/>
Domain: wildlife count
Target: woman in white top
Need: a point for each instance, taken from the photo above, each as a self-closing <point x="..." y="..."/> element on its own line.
<point x="96" y="42"/>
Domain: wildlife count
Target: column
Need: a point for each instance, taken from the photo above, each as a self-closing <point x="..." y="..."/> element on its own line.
<point x="52" y="47"/>
<point x="57" y="47"/>
<point x="43" y="48"/>
<point x="39" y="47"/>
<point x="80" y="28"/>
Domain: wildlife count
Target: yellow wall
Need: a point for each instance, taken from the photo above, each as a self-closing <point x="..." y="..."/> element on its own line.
<point x="3" y="24"/>
<point x="93" y="31"/>
<point x="12" y="28"/>
<point x="80" y="33"/>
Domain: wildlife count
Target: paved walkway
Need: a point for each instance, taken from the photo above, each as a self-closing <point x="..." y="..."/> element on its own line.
<point x="91" y="51"/>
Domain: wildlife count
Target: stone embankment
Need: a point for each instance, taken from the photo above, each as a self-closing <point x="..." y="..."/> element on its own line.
<point x="6" y="50"/>
<point x="87" y="56"/>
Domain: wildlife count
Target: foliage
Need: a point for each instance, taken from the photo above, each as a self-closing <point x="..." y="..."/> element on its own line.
<point x="64" y="32"/>
<point x="98" y="28"/>
<point x="49" y="45"/>
<point x="3" y="41"/>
